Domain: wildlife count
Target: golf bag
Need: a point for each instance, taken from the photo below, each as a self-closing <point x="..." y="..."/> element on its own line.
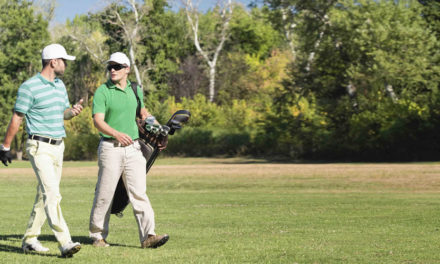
<point x="151" y="137"/>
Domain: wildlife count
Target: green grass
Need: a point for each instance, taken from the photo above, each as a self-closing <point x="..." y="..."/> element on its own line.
<point x="247" y="211"/>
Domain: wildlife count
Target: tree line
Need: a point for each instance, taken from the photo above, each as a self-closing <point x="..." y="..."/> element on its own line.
<point x="303" y="80"/>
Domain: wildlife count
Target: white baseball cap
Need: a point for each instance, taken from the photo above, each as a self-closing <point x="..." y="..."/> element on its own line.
<point x="55" y="51"/>
<point x="120" y="58"/>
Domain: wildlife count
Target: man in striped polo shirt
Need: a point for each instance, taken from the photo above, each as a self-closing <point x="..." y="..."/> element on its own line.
<point x="42" y="101"/>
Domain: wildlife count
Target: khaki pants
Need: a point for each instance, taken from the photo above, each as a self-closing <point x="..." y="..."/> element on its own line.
<point x="114" y="161"/>
<point x="47" y="161"/>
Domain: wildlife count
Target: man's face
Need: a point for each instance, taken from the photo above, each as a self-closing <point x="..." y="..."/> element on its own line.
<point x="117" y="71"/>
<point x="59" y="66"/>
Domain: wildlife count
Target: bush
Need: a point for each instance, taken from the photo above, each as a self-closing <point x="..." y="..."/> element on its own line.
<point x="82" y="137"/>
<point x="190" y="142"/>
<point x="199" y="142"/>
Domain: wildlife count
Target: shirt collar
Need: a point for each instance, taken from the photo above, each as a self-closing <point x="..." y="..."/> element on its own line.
<point x="111" y="85"/>
<point x="45" y="81"/>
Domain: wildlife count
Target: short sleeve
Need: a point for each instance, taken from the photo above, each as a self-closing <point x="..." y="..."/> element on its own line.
<point x="66" y="96"/>
<point x="99" y="100"/>
<point x="24" y="99"/>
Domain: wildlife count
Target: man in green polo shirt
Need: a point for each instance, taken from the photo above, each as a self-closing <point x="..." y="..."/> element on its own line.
<point x="119" y="152"/>
<point x="42" y="101"/>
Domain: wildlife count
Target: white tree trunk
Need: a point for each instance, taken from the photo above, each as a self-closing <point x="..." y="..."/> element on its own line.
<point x="288" y="28"/>
<point x="193" y="19"/>
<point x="317" y="43"/>
<point x="134" y="66"/>
<point x="211" y="83"/>
<point x="351" y="90"/>
<point x="391" y="93"/>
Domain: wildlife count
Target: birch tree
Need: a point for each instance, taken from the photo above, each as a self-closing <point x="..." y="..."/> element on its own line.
<point x="210" y="54"/>
<point x="89" y="36"/>
<point x="293" y="13"/>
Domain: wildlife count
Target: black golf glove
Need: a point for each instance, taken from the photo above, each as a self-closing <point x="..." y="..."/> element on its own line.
<point x="5" y="156"/>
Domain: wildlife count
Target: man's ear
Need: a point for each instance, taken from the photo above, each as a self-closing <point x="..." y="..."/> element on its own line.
<point x="53" y="62"/>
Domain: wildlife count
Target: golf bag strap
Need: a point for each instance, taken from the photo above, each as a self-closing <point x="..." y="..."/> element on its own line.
<point x="134" y="86"/>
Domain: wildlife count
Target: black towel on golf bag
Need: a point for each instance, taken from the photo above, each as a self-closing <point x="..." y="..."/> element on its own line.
<point x="120" y="198"/>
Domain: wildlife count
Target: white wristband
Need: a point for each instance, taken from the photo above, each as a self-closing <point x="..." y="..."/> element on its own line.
<point x="4" y="148"/>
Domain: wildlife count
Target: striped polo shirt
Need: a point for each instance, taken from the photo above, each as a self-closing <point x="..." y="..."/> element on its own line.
<point x="43" y="103"/>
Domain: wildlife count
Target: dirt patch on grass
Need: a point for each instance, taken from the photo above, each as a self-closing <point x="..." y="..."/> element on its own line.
<point x="10" y="173"/>
<point x="309" y="177"/>
<point x="345" y="177"/>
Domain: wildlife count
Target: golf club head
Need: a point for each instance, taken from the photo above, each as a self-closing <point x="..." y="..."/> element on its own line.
<point x="177" y="120"/>
<point x="165" y="130"/>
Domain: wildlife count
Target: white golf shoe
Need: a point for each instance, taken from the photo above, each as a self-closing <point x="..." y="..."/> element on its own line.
<point x="69" y="249"/>
<point x="33" y="246"/>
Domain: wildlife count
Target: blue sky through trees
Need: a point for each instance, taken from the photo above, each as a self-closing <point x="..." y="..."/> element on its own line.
<point x="67" y="9"/>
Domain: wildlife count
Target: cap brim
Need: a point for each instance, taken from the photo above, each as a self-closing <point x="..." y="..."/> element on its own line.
<point x="123" y="63"/>
<point x="68" y="57"/>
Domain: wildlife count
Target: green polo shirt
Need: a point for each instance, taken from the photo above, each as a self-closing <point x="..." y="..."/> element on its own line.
<point x="119" y="107"/>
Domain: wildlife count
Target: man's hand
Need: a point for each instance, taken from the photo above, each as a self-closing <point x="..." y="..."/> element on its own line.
<point x="5" y="156"/>
<point x="77" y="108"/>
<point x="162" y="142"/>
<point x="124" y="139"/>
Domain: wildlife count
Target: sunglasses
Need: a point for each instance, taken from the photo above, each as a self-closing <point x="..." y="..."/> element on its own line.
<point x="116" y="67"/>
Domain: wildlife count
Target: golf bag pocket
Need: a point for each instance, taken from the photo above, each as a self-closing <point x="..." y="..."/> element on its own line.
<point x="147" y="149"/>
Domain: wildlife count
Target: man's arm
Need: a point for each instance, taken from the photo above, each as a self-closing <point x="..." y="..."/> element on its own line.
<point x="145" y="114"/>
<point x="102" y="126"/>
<point x="14" y="125"/>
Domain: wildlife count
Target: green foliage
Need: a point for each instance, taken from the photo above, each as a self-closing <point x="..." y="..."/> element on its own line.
<point x="431" y="13"/>
<point x="366" y="46"/>
<point x="82" y="137"/>
<point x="212" y="130"/>
<point x="207" y="142"/>
<point x="203" y="113"/>
<point x="251" y="34"/>
<point x="84" y="37"/>
<point x="250" y="79"/>
<point x="23" y="35"/>
<point x="165" y="41"/>
<point x="319" y="79"/>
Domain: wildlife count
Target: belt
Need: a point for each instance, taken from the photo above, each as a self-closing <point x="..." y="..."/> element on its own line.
<point x="114" y="141"/>
<point x="46" y="139"/>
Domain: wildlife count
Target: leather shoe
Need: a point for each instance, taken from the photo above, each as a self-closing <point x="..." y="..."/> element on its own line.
<point x="100" y="243"/>
<point x="155" y="241"/>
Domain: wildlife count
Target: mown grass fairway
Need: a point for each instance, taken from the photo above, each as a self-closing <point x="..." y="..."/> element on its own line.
<point x="247" y="211"/>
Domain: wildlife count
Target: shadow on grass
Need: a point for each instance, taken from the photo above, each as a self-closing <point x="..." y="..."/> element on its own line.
<point x="260" y="160"/>
<point x="84" y="240"/>
<point x="19" y="250"/>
